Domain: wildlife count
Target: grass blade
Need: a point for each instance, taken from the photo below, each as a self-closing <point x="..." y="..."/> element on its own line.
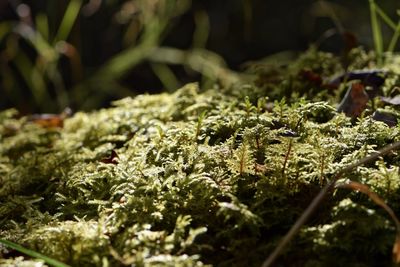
<point x="395" y="27"/>
<point x="33" y="254"/>
<point x="166" y="76"/>
<point x="71" y="13"/>
<point x="32" y="77"/>
<point x="42" y="26"/>
<point x="5" y="28"/>
<point x="395" y="37"/>
<point x="376" y="31"/>
<point x="202" y="30"/>
<point x="385" y="17"/>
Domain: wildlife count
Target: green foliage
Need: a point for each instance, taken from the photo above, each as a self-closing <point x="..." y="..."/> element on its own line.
<point x="33" y="254"/>
<point x="52" y="60"/>
<point x="201" y="178"/>
<point x="376" y="11"/>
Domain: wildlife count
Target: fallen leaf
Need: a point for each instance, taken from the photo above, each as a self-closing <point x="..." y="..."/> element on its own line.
<point x="386" y="117"/>
<point x="311" y="76"/>
<point x="50" y="120"/>
<point x="372" y="78"/>
<point x="391" y="100"/>
<point x="396" y="249"/>
<point x="112" y="159"/>
<point x="355" y="101"/>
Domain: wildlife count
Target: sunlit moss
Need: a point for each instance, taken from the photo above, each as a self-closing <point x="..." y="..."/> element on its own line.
<point x="199" y="177"/>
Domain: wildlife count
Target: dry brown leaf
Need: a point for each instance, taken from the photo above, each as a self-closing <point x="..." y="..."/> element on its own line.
<point x="355" y="101"/>
<point x="396" y="249"/>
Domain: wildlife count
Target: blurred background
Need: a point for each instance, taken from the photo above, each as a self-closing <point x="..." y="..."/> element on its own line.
<point x="85" y="53"/>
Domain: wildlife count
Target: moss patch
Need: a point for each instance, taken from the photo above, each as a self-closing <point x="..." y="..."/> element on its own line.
<point x="196" y="178"/>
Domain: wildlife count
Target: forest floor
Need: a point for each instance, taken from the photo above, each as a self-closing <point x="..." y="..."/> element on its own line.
<point x="211" y="177"/>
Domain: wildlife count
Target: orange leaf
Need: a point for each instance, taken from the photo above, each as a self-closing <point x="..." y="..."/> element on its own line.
<point x="50" y="120"/>
<point x="355" y="101"/>
<point x="396" y="249"/>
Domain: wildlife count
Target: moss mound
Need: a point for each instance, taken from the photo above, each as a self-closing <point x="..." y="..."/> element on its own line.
<point x="203" y="177"/>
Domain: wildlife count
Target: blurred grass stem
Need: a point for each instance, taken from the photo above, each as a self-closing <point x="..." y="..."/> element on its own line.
<point x="33" y="254"/>
<point x="68" y="21"/>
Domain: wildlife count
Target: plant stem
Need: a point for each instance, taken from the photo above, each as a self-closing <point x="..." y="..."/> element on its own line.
<point x="376" y="31"/>
<point x="33" y="254"/>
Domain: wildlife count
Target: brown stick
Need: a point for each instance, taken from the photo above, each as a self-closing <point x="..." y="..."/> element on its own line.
<point x="316" y="201"/>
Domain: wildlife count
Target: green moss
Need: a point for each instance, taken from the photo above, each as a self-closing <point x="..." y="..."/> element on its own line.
<point x="214" y="177"/>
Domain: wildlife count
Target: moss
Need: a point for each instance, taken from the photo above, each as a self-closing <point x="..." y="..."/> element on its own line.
<point x="211" y="177"/>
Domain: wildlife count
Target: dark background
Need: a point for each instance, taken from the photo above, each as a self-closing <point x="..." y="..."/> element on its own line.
<point x="238" y="31"/>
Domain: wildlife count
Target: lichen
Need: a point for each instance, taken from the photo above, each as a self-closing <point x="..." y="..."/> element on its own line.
<point x="212" y="177"/>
